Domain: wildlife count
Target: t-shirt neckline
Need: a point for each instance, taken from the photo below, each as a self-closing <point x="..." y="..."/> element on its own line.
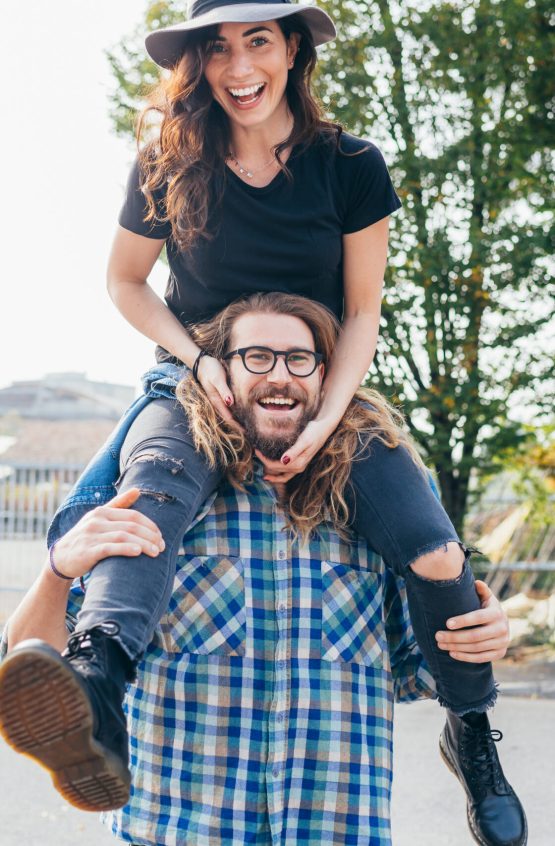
<point x="254" y="189"/>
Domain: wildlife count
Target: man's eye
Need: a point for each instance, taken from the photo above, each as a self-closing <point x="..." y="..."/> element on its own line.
<point x="299" y="358"/>
<point x="259" y="356"/>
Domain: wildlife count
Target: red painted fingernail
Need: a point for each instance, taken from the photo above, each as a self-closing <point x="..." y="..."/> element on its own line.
<point x="285" y="459"/>
<point x="228" y="401"/>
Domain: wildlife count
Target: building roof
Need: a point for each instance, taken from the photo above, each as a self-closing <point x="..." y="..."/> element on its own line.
<point x="55" y="441"/>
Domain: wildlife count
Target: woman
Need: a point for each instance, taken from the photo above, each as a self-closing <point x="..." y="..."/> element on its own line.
<point x="250" y="189"/>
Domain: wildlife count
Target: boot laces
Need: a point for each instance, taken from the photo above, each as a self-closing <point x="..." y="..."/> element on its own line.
<point x="478" y="750"/>
<point x="82" y="644"/>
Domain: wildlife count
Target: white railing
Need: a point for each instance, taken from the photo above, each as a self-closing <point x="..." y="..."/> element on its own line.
<point x="30" y="493"/>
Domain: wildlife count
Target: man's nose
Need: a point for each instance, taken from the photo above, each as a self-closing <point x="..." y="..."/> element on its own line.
<point x="279" y="374"/>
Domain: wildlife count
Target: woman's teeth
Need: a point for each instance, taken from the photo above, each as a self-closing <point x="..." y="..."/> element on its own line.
<point x="247" y="95"/>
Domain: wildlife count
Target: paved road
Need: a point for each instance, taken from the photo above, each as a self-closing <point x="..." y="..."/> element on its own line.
<point x="428" y="805"/>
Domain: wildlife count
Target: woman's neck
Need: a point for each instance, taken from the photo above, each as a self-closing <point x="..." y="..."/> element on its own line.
<point x="254" y="145"/>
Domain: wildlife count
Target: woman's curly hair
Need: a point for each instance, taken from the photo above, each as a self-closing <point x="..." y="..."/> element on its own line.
<point x="185" y="163"/>
<point x="321" y="489"/>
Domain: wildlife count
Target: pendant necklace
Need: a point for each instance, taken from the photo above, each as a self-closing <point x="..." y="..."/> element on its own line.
<point x="246" y="170"/>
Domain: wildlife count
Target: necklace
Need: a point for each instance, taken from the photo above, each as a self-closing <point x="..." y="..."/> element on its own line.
<point x="245" y="170"/>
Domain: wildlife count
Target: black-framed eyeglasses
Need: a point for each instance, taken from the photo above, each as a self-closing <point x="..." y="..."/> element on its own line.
<point x="261" y="360"/>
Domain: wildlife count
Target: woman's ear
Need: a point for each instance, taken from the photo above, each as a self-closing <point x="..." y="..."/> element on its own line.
<point x="292" y="48"/>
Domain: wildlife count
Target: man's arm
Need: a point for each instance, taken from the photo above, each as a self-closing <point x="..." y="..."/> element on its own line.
<point x="111" y="529"/>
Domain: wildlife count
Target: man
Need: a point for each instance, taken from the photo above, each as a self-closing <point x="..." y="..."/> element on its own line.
<point x="263" y="706"/>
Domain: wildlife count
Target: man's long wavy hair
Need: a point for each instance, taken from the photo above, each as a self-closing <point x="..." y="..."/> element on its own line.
<point x="193" y="139"/>
<point x="322" y="487"/>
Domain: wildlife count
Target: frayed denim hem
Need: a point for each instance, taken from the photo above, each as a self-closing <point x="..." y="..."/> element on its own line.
<point x="431" y="547"/>
<point x="479" y="707"/>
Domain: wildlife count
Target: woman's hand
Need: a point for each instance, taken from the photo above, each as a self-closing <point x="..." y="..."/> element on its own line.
<point x="111" y="529"/>
<point x="488" y="641"/>
<point x="212" y="375"/>
<point x="311" y="439"/>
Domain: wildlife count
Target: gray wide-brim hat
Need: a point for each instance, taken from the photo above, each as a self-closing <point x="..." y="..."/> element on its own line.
<point x="165" y="46"/>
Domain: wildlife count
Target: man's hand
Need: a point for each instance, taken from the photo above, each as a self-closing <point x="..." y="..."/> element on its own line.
<point x="111" y="529"/>
<point x="488" y="641"/>
<point x="311" y="439"/>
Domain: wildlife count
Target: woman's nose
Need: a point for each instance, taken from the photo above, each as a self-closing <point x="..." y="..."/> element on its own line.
<point x="240" y="65"/>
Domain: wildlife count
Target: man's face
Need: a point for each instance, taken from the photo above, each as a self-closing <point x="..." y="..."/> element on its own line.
<point x="273" y="427"/>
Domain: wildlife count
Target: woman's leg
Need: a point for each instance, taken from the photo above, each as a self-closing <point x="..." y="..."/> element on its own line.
<point x="395" y="509"/>
<point x="158" y="456"/>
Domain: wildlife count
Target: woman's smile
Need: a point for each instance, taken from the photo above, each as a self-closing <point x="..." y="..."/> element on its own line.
<point x="247" y="96"/>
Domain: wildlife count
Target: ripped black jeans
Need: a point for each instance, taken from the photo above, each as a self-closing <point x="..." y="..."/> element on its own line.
<point x="393" y="508"/>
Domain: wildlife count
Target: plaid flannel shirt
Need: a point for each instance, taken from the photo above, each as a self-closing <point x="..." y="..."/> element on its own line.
<point x="263" y="708"/>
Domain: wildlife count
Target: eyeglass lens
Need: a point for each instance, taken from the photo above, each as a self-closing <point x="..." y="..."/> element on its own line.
<point x="261" y="360"/>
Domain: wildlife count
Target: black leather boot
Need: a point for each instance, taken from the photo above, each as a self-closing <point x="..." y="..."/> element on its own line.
<point x="495" y="814"/>
<point x="66" y="712"/>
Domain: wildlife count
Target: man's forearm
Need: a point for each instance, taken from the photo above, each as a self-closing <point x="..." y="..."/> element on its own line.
<point x="41" y="613"/>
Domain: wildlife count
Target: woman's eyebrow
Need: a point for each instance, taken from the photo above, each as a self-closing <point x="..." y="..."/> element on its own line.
<point x="248" y="32"/>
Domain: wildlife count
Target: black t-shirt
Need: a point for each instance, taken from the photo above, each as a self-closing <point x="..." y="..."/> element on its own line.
<point x="283" y="237"/>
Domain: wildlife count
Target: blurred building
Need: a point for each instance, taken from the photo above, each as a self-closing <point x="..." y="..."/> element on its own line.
<point x="65" y="396"/>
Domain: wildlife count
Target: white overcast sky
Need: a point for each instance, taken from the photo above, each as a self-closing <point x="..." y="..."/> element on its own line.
<point x="63" y="172"/>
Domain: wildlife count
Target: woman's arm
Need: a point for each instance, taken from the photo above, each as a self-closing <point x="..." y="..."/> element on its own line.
<point x="364" y="260"/>
<point x="111" y="529"/>
<point x="131" y="260"/>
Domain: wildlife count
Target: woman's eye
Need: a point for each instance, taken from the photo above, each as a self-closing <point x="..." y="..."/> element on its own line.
<point x="256" y="42"/>
<point x="215" y="47"/>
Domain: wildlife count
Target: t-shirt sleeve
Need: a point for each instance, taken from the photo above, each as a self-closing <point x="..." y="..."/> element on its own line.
<point x="369" y="194"/>
<point x="134" y="210"/>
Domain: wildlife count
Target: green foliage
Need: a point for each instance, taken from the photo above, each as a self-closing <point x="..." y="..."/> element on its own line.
<point x="460" y="98"/>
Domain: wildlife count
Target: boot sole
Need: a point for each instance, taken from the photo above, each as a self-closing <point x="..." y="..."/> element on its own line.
<point x="46" y="715"/>
<point x="475" y="834"/>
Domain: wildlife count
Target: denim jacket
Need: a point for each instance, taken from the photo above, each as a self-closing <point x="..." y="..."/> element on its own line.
<point x="95" y="486"/>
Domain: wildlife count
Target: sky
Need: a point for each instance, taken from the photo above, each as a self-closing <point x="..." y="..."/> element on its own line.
<point x="63" y="175"/>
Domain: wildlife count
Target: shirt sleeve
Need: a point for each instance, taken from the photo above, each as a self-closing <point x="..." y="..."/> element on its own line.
<point x="134" y="210"/>
<point x="369" y="192"/>
<point x="411" y="677"/>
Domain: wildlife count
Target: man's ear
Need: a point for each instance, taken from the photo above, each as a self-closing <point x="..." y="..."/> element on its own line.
<point x="322" y="370"/>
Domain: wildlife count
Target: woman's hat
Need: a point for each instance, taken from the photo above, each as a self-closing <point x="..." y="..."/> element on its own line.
<point x="165" y="46"/>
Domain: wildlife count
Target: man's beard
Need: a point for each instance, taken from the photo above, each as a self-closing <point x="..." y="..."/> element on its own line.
<point x="272" y="446"/>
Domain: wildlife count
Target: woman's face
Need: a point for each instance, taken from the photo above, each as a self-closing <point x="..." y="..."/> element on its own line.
<point x="246" y="68"/>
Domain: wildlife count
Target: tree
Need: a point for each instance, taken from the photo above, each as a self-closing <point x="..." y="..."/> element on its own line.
<point x="458" y="96"/>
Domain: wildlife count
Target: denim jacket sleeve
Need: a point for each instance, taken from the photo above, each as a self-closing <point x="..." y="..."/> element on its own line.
<point x="95" y="486"/>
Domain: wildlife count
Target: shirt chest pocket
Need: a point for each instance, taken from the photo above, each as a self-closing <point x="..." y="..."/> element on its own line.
<point x="352" y="616"/>
<point x="207" y="613"/>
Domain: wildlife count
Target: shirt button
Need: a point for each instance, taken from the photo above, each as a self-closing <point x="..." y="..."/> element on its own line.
<point x="275" y="772"/>
<point x="280" y="718"/>
<point x="281" y="553"/>
<point x="97" y="495"/>
<point x="281" y="608"/>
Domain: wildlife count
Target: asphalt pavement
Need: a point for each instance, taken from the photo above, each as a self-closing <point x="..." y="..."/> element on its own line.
<point x="428" y="804"/>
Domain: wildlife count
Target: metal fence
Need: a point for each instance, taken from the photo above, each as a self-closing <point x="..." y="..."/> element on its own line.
<point x="30" y="493"/>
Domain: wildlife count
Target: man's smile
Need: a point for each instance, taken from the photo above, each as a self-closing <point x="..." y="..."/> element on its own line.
<point x="277" y="403"/>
